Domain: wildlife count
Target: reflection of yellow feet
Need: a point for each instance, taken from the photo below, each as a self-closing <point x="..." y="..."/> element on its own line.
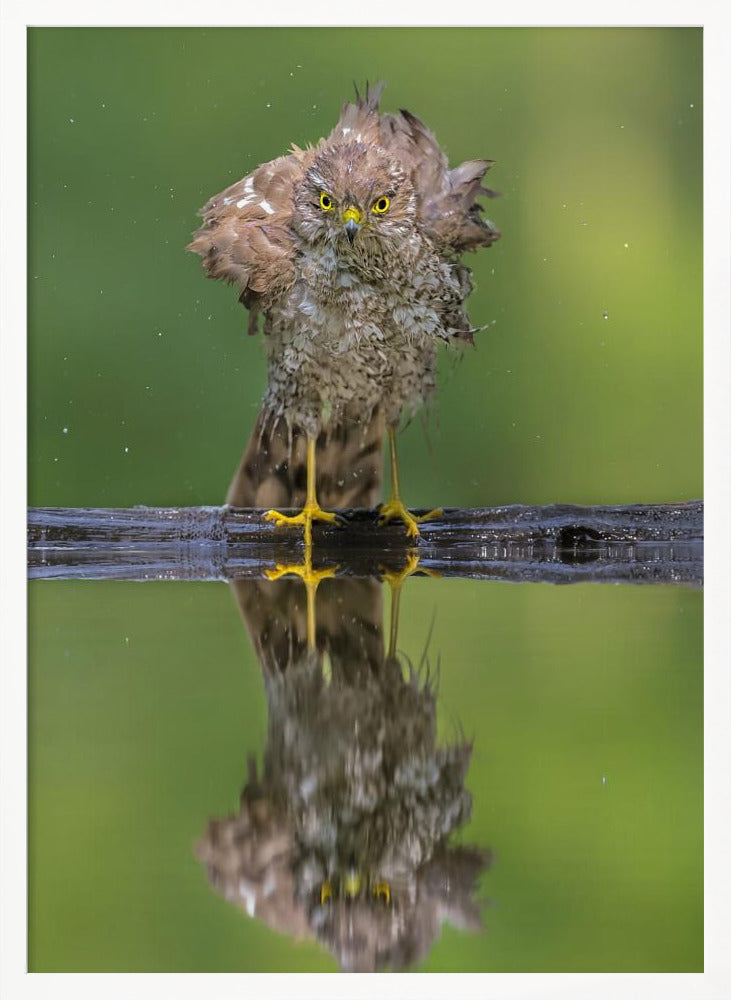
<point x="309" y="576"/>
<point x="309" y="513"/>
<point x="312" y="579"/>
<point x="395" y="509"/>
<point x="396" y="579"/>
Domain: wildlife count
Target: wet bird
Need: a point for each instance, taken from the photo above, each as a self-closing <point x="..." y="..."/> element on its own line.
<point x="348" y="833"/>
<point x="348" y="255"/>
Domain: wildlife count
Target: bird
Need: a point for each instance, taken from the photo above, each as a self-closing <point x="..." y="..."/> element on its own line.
<point x="347" y="255"/>
<point x="348" y="832"/>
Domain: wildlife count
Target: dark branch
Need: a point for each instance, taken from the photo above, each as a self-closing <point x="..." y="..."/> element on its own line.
<point x="559" y="543"/>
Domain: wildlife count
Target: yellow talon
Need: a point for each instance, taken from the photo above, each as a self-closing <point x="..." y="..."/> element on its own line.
<point x="312" y="578"/>
<point x="396" y="580"/>
<point x="309" y="513"/>
<point x="309" y="576"/>
<point x="395" y="509"/>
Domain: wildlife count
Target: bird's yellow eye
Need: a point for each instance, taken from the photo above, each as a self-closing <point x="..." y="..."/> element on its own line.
<point x="326" y="892"/>
<point x="381" y="892"/>
<point x="326" y="202"/>
<point x="381" y="205"/>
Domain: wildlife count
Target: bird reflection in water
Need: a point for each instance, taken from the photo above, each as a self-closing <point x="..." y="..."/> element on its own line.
<point x="346" y="833"/>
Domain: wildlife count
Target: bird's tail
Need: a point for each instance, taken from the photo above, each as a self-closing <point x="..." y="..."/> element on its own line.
<point x="272" y="471"/>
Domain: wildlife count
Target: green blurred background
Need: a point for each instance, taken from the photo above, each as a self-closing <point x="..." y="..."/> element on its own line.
<point x="586" y="387"/>
<point x="596" y="135"/>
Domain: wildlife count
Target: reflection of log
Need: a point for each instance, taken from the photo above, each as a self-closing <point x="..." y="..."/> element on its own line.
<point x="559" y="543"/>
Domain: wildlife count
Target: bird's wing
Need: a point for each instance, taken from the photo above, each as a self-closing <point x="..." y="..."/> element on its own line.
<point x="448" y="205"/>
<point x="245" y="237"/>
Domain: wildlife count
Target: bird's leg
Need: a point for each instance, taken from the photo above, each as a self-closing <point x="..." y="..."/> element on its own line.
<point x="396" y="581"/>
<point x="312" y="579"/>
<point x="395" y="508"/>
<point x="311" y="511"/>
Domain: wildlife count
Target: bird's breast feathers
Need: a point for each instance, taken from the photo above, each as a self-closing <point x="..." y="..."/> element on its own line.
<point x="341" y="302"/>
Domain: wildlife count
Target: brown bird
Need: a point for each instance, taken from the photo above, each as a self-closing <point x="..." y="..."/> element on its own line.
<point x="348" y="832"/>
<point x="349" y="252"/>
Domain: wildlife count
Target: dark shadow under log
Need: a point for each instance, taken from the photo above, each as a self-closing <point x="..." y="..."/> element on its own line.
<point x="558" y="543"/>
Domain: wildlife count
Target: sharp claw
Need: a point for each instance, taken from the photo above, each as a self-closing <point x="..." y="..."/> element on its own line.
<point x="308" y="575"/>
<point x="305" y="516"/>
<point x="395" y="509"/>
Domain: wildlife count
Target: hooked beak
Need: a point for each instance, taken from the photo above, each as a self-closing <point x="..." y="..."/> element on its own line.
<point x="351" y="230"/>
<point x="352" y="882"/>
<point x="353" y="219"/>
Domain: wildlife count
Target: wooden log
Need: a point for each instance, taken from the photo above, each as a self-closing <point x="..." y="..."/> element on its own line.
<point x="559" y="543"/>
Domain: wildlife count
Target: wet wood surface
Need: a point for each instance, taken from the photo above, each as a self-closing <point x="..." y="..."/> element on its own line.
<point x="557" y="543"/>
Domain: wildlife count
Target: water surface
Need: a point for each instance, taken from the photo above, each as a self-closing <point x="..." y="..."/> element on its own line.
<point x="564" y="770"/>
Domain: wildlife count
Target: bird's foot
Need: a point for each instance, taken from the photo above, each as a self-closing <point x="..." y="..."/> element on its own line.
<point x="312" y="578"/>
<point x="309" y="576"/>
<point x="395" y="509"/>
<point x="396" y="579"/>
<point x="309" y="513"/>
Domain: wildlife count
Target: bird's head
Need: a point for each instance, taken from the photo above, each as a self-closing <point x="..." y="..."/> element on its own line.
<point x="353" y="195"/>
